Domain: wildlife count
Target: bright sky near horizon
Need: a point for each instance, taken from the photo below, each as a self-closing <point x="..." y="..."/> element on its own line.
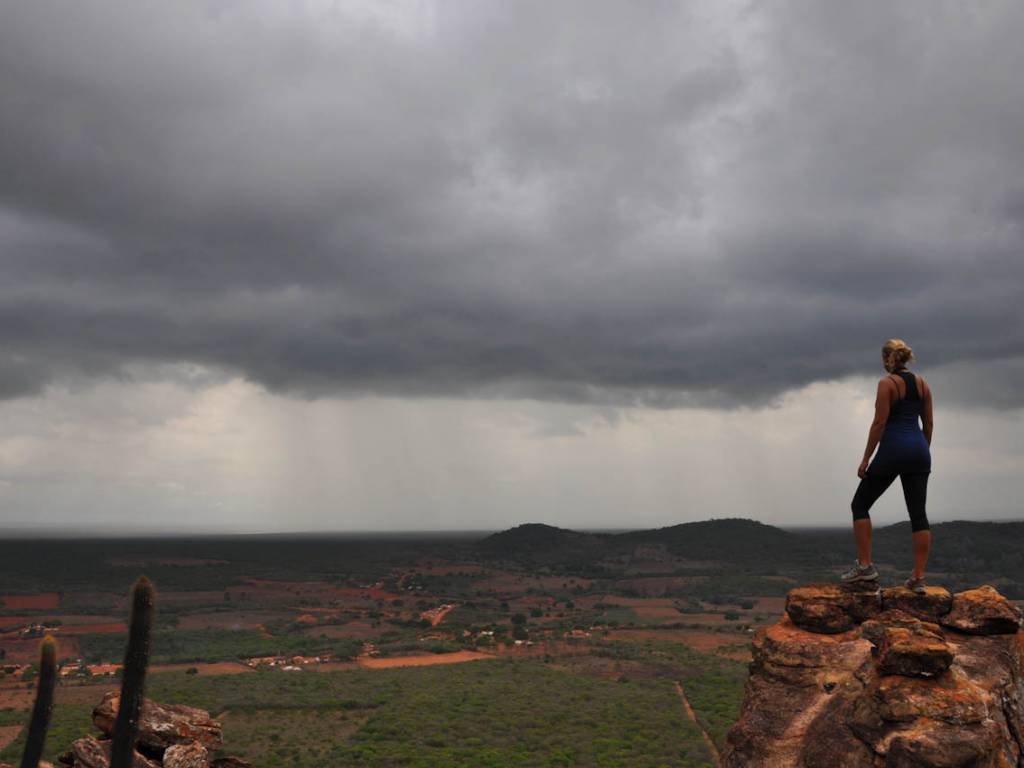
<point x="467" y="264"/>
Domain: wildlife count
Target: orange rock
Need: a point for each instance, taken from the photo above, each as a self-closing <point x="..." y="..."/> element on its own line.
<point x="832" y="608"/>
<point x="913" y="651"/>
<point x="932" y="605"/>
<point x="873" y="629"/>
<point x="89" y="752"/>
<point x="951" y="698"/>
<point x="162" y="725"/>
<point x="940" y="745"/>
<point x="193" y="755"/>
<point x="983" y="611"/>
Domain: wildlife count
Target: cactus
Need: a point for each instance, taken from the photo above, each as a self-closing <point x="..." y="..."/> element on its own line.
<point x="44" y="704"/>
<point x="126" y="727"/>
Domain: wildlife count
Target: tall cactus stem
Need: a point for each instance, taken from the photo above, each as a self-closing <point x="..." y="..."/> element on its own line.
<point x="126" y="727"/>
<point x="40" y="721"/>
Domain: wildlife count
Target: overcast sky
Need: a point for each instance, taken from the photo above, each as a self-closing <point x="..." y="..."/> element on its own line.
<point x="380" y="265"/>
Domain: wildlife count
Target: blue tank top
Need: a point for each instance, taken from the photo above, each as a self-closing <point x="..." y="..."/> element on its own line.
<point x="903" y="447"/>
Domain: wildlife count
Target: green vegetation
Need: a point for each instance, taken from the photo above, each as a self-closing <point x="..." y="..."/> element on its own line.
<point x="484" y="713"/>
<point x="187" y="646"/>
<point x="716" y="698"/>
<point x="67" y="723"/>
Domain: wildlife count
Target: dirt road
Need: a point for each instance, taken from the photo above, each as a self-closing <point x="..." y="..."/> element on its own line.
<point x="455" y="657"/>
<point x="689" y="711"/>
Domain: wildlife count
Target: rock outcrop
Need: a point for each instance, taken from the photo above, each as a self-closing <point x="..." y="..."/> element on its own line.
<point x="163" y="725"/>
<point x="170" y="736"/>
<point x="857" y="677"/>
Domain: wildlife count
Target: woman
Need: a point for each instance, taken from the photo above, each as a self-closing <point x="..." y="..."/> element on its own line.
<point x="904" y="449"/>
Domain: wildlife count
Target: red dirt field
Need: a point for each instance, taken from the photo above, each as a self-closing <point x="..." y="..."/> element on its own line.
<point x="78" y="619"/>
<point x="46" y="601"/>
<point x="455" y="657"/>
<point x="193" y="598"/>
<point x="73" y="630"/>
<point x="335" y="666"/>
<point x="286" y="591"/>
<point x="107" y="601"/>
<point x="694" y="638"/>
<point x="205" y="668"/>
<point x="26" y="650"/>
<point x="18" y="695"/>
<point x="16" y="698"/>
<point x="705" y="618"/>
<point x="442" y="569"/>
<point x="655" y="608"/>
<point x="9" y="733"/>
<point x="232" y="619"/>
<point x="542" y="648"/>
<point x="770" y="605"/>
<point x="513" y="582"/>
<point x="656" y="586"/>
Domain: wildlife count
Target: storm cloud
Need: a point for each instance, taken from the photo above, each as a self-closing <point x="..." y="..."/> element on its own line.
<point x="654" y="204"/>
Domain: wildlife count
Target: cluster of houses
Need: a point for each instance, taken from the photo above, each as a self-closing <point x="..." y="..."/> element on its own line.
<point x="79" y="668"/>
<point x="74" y="668"/>
<point x="285" y="663"/>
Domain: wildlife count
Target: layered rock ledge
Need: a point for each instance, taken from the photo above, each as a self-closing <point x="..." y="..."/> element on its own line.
<point x="854" y="676"/>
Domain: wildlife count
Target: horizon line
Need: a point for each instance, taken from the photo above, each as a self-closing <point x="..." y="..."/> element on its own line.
<point x="103" y="532"/>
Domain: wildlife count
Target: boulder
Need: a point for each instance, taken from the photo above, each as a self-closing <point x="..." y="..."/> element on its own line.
<point x="952" y="699"/>
<point x="914" y="650"/>
<point x="983" y="611"/>
<point x="935" y="603"/>
<point x="873" y="629"/>
<point x="946" y="746"/>
<point x="163" y="725"/>
<point x="832" y="608"/>
<point x="193" y="755"/>
<point x="90" y="752"/>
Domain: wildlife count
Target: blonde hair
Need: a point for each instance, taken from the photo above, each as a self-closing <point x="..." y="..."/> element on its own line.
<point x="900" y="351"/>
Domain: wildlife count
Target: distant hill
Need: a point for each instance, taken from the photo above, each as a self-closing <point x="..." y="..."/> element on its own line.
<point x="733" y="539"/>
<point x="537" y="538"/>
<point x="737" y="540"/>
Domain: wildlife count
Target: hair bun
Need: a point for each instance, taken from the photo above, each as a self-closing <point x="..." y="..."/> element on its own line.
<point x="900" y="350"/>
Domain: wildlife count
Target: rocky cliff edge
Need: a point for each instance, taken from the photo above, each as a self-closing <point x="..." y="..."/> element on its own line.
<point x="854" y="676"/>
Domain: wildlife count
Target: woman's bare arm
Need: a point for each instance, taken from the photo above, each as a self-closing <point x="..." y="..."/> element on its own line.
<point x="927" y="422"/>
<point x="882" y="401"/>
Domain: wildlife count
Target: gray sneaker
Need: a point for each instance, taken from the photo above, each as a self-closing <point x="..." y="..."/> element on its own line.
<point x="915" y="584"/>
<point x="860" y="573"/>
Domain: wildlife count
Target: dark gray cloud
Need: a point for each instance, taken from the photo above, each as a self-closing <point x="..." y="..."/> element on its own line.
<point x="655" y="204"/>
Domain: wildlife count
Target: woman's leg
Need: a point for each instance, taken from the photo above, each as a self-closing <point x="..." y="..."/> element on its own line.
<point x="872" y="485"/>
<point x="922" y="544"/>
<point x="862" y="535"/>
<point x="915" y="492"/>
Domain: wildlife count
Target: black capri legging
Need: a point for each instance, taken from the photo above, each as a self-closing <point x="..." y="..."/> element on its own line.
<point x="873" y="485"/>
